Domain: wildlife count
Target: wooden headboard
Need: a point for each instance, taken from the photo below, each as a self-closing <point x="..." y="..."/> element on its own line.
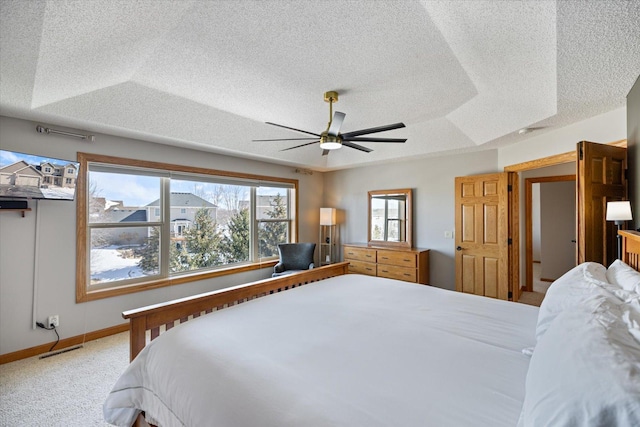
<point x="631" y="248"/>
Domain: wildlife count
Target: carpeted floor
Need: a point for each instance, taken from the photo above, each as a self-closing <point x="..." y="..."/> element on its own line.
<point x="531" y="298"/>
<point x="63" y="390"/>
<point x="539" y="288"/>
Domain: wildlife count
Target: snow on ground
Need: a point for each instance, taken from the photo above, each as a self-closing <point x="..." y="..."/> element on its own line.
<point x="59" y="192"/>
<point x="107" y="265"/>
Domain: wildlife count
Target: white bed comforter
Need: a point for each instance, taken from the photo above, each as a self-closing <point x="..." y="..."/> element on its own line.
<point x="348" y="351"/>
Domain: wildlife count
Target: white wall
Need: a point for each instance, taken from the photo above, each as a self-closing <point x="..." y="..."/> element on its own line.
<point x="633" y="141"/>
<point x="603" y="128"/>
<point x="535" y="222"/>
<point x="558" y="228"/>
<point x="56" y="267"/>
<point x="432" y="181"/>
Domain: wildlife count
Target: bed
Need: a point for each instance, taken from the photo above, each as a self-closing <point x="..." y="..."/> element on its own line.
<point x="353" y="350"/>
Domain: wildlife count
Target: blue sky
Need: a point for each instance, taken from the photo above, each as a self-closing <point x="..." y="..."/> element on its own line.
<point x="136" y="190"/>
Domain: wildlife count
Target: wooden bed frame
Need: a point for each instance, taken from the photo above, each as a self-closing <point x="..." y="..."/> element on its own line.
<point x="158" y="318"/>
<point x="631" y="248"/>
<point x="161" y="317"/>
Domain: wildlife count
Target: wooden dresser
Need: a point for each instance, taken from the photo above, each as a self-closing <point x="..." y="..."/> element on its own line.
<point x="410" y="265"/>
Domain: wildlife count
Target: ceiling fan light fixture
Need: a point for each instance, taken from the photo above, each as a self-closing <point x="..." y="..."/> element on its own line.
<point x="329" y="142"/>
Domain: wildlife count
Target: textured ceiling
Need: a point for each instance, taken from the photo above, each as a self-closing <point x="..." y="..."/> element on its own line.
<point x="461" y="75"/>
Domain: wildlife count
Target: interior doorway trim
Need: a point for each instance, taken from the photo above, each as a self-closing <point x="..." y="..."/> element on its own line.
<point x="556" y="159"/>
<point x="528" y="213"/>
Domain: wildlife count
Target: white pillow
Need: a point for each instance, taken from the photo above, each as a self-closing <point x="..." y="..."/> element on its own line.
<point x="571" y="289"/>
<point x="621" y="274"/>
<point x="598" y="275"/>
<point x="585" y="370"/>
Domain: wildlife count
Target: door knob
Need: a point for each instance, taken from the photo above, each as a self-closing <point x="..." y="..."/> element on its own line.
<point x="459" y="248"/>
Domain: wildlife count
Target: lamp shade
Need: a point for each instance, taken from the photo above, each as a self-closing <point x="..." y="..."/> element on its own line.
<point x="327" y="216"/>
<point x="619" y="211"/>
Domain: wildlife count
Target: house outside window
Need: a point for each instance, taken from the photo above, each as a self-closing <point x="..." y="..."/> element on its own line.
<point x="181" y="223"/>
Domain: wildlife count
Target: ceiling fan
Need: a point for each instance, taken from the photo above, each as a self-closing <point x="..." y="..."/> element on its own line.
<point x="332" y="139"/>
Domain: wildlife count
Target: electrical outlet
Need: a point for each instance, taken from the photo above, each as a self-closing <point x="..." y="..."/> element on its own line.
<point x="54" y="321"/>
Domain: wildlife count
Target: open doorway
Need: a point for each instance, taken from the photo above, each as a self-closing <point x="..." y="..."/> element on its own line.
<point x="550" y="229"/>
<point x="552" y="166"/>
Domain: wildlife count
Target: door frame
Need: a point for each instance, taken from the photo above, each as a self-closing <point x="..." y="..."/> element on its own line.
<point x="528" y="221"/>
<point x="556" y="159"/>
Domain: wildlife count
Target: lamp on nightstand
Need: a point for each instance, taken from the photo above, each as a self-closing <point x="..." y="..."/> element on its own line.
<point x="620" y="212"/>
<point x="327" y="238"/>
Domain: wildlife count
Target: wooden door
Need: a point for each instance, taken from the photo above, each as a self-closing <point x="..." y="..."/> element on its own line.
<point x="601" y="178"/>
<point x="484" y="261"/>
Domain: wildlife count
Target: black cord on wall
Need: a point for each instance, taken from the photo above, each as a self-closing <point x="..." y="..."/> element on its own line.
<point x="53" y="328"/>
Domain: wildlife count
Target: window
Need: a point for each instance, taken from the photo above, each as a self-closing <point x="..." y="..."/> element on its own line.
<point x="145" y="224"/>
<point x="68" y="181"/>
<point x="71" y="171"/>
<point x="387" y="216"/>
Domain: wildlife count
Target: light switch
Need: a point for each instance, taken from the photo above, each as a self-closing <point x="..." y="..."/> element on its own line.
<point x="448" y="234"/>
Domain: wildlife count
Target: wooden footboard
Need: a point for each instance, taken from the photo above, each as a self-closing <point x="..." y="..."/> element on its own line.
<point x="161" y="317"/>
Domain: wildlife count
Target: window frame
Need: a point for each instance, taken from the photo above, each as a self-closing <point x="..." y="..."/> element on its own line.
<point x="83" y="245"/>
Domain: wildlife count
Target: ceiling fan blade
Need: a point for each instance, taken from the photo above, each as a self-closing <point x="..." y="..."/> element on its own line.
<point x="367" y="139"/>
<point x="356" y="146"/>
<point x="302" y="145"/>
<point x="283" y="139"/>
<point x="297" y="130"/>
<point x="336" y="123"/>
<point x="372" y="130"/>
<point x="325" y="152"/>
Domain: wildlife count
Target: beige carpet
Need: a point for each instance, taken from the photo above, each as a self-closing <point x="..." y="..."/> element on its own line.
<point x="539" y="289"/>
<point x="63" y="390"/>
<point x="531" y="298"/>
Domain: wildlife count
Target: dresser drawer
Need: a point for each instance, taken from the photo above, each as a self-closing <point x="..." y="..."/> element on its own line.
<point x="361" y="267"/>
<point x="360" y="254"/>
<point x="400" y="273"/>
<point x="402" y="259"/>
<point x="408" y="264"/>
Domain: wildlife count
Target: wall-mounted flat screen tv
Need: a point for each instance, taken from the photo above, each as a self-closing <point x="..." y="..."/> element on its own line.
<point x="26" y="176"/>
